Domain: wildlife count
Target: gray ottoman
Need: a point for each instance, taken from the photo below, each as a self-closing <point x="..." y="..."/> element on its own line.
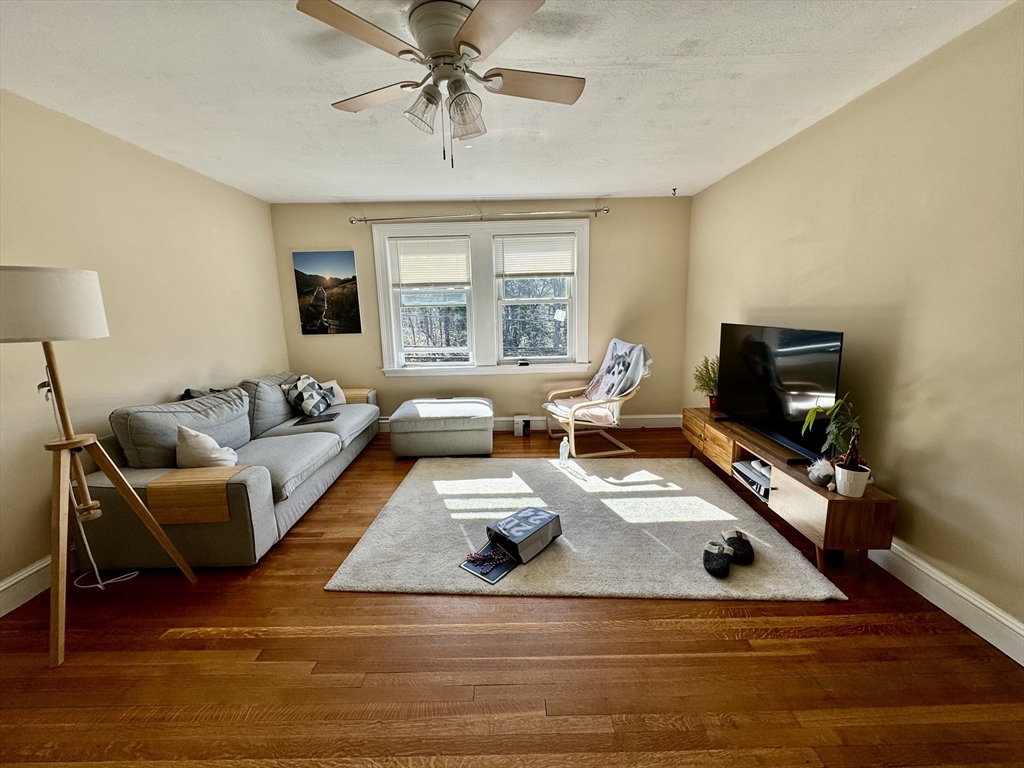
<point x="454" y="426"/>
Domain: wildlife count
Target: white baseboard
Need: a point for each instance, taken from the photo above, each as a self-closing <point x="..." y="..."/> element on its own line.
<point x="537" y="423"/>
<point x="18" y="588"/>
<point x="965" y="605"/>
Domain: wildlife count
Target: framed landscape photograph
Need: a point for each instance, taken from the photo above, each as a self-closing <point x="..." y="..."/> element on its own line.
<point x="325" y="282"/>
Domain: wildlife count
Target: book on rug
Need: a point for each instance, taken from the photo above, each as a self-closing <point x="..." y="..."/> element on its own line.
<point x="485" y="568"/>
<point x="525" y="533"/>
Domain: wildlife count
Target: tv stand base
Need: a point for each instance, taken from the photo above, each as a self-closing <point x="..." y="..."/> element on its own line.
<point x="830" y="521"/>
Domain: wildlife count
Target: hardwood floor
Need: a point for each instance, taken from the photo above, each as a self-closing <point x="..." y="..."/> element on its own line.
<point x="260" y="666"/>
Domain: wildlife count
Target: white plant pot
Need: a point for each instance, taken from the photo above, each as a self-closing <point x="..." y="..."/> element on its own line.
<point x="852" y="483"/>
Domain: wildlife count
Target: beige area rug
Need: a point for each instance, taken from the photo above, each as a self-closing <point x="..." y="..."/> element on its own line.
<point x="631" y="528"/>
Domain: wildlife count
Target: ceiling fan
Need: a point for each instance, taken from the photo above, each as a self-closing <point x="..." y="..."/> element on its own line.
<point x="450" y="39"/>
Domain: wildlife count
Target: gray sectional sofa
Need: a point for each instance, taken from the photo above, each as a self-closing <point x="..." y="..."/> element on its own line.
<point x="288" y="467"/>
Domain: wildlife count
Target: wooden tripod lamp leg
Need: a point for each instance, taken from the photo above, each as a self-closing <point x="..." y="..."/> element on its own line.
<point x="59" y="552"/>
<point x="109" y="468"/>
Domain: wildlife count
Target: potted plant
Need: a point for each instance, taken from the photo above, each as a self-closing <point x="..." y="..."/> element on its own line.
<point x="842" y="439"/>
<point x="705" y="376"/>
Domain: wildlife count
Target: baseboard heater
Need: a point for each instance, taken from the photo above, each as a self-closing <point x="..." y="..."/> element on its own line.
<point x="754" y="477"/>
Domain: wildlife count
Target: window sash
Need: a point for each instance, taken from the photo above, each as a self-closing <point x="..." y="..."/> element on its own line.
<point x="535" y="254"/>
<point x="429" y="261"/>
<point x="570" y="328"/>
<point x="403" y="351"/>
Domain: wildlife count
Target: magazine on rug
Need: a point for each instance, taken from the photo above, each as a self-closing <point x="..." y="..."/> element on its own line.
<point x="492" y="563"/>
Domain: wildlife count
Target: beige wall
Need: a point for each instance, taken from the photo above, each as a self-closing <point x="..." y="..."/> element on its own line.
<point x="187" y="270"/>
<point x="638" y="260"/>
<point x="898" y="220"/>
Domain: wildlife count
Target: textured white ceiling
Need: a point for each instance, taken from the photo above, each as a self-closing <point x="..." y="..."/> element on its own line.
<point x="679" y="92"/>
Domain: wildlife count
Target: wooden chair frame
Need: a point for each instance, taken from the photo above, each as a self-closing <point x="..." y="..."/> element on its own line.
<point x="589" y="428"/>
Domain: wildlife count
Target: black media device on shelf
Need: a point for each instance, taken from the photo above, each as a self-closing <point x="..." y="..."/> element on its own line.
<point x="769" y="378"/>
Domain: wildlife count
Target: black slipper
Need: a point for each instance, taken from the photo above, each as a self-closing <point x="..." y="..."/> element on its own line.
<point x="716" y="559"/>
<point x="742" y="549"/>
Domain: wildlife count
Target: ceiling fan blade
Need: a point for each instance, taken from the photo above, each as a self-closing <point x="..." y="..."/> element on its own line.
<point x="346" y="21"/>
<point x="561" y="89"/>
<point x="492" y="21"/>
<point x="373" y="98"/>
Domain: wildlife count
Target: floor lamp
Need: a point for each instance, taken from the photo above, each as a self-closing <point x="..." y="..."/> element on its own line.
<point x="49" y="304"/>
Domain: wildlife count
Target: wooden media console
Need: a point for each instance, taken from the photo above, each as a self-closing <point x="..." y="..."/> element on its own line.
<point x="829" y="520"/>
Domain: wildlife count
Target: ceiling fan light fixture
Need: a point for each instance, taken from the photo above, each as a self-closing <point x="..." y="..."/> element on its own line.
<point x="423" y="111"/>
<point x="466" y="107"/>
<point x="470" y="131"/>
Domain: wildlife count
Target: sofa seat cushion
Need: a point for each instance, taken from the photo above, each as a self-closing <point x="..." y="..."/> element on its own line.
<point x="148" y="434"/>
<point x="455" y="414"/>
<point x="290" y="458"/>
<point x="352" y="420"/>
<point x="268" y="405"/>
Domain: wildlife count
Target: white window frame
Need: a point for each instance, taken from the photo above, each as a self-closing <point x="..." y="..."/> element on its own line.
<point x="395" y="297"/>
<point x="484" y="313"/>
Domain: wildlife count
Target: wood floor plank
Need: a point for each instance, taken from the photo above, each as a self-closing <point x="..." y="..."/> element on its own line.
<point x="754" y="758"/>
<point x="942" y="713"/>
<point x="260" y="667"/>
<point x="921" y="755"/>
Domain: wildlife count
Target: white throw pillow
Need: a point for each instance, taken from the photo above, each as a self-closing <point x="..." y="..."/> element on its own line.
<point x="339" y="393"/>
<point x="198" y="450"/>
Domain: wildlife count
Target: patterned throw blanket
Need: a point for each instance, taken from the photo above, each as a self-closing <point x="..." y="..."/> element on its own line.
<point x="620" y="373"/>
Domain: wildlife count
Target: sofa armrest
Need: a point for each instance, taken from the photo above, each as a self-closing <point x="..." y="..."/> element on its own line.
<point x="198" y="495"/>
<point x="355" y="395"/>
<point x="119" y="540"/>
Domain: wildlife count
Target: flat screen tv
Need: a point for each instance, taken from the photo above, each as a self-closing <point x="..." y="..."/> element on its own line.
<point x="769" y="378"/>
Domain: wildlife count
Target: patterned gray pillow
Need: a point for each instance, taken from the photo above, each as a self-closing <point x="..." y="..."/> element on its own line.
<point x="307" y="395"/>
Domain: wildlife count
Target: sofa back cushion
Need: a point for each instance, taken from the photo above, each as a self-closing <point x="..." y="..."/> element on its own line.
<point x="148" y="434"/>
<point x="268" y="405"/>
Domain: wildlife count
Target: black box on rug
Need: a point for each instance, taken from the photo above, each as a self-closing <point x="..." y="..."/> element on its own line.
<point x="525" y="533"/>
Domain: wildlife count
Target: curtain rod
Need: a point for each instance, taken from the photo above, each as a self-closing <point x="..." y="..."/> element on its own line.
<point x="478" y="216"/>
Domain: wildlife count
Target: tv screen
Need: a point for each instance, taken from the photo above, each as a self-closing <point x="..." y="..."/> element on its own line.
<point x="769" y="378"/>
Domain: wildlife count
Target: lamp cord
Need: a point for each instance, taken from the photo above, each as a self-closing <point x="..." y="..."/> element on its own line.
<point x="46" y="391"/>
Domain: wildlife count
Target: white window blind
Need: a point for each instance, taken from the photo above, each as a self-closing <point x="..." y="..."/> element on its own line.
<point x="438" y="261"/>
<point x="542" y="254"/>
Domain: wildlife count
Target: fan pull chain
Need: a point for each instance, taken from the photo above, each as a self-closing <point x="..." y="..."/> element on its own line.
<point x="444" y="146"/>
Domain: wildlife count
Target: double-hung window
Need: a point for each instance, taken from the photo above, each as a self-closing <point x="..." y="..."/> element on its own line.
<point x="430" y="300"/>
<point x="483" y="297"/>
<point x="536" y="281"/>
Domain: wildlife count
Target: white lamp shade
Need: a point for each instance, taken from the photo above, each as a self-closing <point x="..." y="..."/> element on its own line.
<point x="50" y="304"/>
<point x="423" y="111"/>
<point x="466" y="106"/>
<point x="469" y="131"/>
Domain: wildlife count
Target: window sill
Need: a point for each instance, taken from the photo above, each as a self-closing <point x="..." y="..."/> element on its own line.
<point x="489" y="370"/>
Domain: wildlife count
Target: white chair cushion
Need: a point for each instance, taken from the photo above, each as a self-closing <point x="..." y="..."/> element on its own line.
<point x="601" y="415"/>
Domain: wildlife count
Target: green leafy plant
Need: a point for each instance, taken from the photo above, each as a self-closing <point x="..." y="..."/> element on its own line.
<point x="842" y="433"/>
<point x="705" y="376"/>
